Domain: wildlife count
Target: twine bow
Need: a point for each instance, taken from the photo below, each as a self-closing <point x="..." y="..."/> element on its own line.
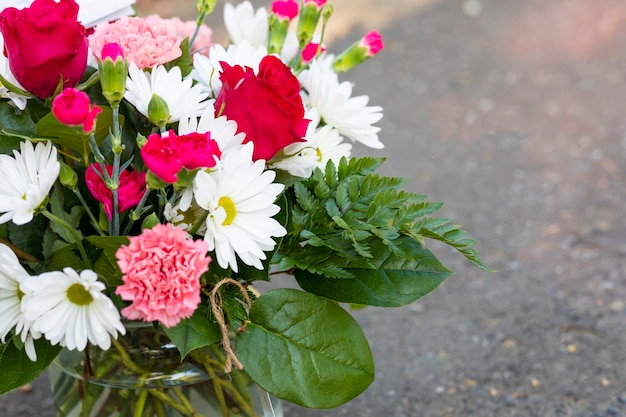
<point x="218" y="312"/>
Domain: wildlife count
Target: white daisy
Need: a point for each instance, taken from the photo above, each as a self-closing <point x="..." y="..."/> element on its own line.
<point x="206" y="69"/>
<point x="322" y="144"/>
<point x="183" y="99"/>
<point x="243" y="24"/>
<point x="351" y="116"/>
<point x="26" y="179"/>
<point x="12" y="274"/>
<point x="17" y="99"/>
<point x="223" y="131"/>
<point x="239" y="197"/>
<point x="70" y="309"/>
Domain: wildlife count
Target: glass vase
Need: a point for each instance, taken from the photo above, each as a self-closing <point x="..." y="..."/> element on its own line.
<point x="143" y="376"/>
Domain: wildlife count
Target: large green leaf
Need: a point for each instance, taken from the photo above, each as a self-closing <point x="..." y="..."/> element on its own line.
<point x="18" y="369"/>
<point x="195" y="332"/>
<point x="397" y="280"/>
<point x="305" y="349"/>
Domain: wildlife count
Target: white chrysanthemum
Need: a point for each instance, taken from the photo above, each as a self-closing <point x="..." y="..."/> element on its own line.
<point x="183" y="99"/>
<point x="70" y="309"/>
<point x="206" y="69"/>
<point x="187" y="218"/>
<point x="243" y="24"/>
<point x="12" y="274"/>
<point x="17" y="99"/>
<point x="351" y="116"/>
<point x="222" y="130"/>
<point x="239" y="197"/>
<point x="322" y="144"/>
<point x="26" y="179"/>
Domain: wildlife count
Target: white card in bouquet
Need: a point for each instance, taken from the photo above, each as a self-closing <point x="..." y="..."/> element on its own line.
<point x="90" y="12"/>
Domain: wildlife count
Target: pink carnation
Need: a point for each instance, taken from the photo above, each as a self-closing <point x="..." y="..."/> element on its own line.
<point x="146" y="41"/>
<point x="185" y="29"/>
<point x="162" y="269"/>
<point x="131" y="190"/>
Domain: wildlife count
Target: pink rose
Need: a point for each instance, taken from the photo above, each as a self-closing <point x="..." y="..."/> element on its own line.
<point x="266" y="106"/>
<point x="45" y="42"/>
<point x="132" y="188"/>
<point x="73" y="108"/>
<point x="166" y="155"/>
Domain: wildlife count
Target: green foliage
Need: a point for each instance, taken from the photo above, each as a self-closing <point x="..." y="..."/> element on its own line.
<point x="195" y="332"/>
<point x="358" y="237"/>
<point x="18" y="369"/>
<point x="314" y="353"/>
<point x="397" y="280"/>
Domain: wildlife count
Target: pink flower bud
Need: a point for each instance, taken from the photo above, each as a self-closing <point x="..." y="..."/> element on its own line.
<point x="113" y="51"/>
<point x="73" y="108"/>
<point x="318" y="3"/>
<point x="285" y="9"/>
<point x="373" y="42"/>
<point x="311" y="51"/>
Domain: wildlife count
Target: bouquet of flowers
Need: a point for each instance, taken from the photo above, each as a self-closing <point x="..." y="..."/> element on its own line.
<point x="150" y="176"/>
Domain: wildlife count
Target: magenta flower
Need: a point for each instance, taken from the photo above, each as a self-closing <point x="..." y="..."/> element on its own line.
<point x="166" y="155"/>
<point x="373" y="41"/>
<point x="112" y="50"/>
<point x="318" y="3"/>
<point x="132" y="188"/>
<point x="285" y="9"/>
<point x="162" y="269"/>
<point x="310" y="51"/>
<point x="73" y="108"/>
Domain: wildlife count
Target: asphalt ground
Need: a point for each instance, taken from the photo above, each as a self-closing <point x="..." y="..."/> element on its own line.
<point x="512" y="113"/>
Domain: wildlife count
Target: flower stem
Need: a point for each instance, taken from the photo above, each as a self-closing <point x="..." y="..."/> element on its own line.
<point x="141" y="403"/>
<point x="75" y="233"/>
<point x="94" y="222"/>
<point x="117" y="151"/>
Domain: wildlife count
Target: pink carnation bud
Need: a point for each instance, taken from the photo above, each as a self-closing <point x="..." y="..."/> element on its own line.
<point x="318" y="3"/>
<point x="286" y="9"/>
<point x="373" y="42"/>
<point x="112" y="50"/>
<point x="311" y="51"/>
<point x="73" y="108"/>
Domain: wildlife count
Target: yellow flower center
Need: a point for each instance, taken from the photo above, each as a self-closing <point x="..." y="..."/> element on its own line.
<point x="20" y="294"/>
<point x="318" y="151"/>
<point x="78" y="295"/>
<point x="229" y="207"/>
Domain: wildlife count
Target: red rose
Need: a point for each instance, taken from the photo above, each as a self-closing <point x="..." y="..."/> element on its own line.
<point x="267" y="107"/>
<point x="43" y="43"/>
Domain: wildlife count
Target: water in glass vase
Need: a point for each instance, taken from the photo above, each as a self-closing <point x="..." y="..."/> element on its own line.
<point x="143" y="376"/>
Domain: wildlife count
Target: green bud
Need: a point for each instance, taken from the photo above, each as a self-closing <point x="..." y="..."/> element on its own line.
<point x="158" y="111"/>
<point x="327" y="12"/>
<point x="150" y="221"/>
<point x="141" y="140"/>
<point x="307" y="23"/>
<point x="278" y="33"/>
<point x="67" y="176"/>
<point x="113" y="76"/>
<point x="155" y="183"/>
<point x="205" y="7"/>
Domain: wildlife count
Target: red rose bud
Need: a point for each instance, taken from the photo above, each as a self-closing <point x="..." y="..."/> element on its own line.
<point x="73" y="108"/>
<point x="365" y="48"/>
<point x="113" y="73"/>
<point x="266" y="106"/>
<point x="44" y="43"/>
<point x="311" y="51"/>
